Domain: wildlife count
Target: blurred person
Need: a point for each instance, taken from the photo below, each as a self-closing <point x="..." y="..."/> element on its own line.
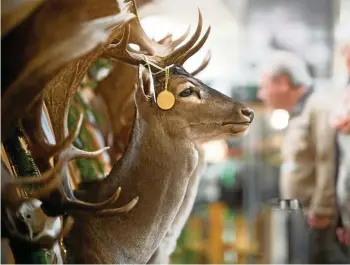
<point x="308" y="152"/>
<point x="341" y="122"/>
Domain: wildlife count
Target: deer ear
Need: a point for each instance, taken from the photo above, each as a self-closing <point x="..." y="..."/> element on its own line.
<point x="145" y="83"/>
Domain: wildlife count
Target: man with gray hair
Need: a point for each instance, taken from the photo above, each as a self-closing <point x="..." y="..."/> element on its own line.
<point x="308" y="152"/>
<point x="285" y="80"/>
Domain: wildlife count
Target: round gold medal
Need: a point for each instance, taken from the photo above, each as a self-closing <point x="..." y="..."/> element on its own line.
<point x="165" y="100"/>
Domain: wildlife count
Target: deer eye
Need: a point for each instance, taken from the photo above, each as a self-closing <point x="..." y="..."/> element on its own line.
<point x="186" y="93"/>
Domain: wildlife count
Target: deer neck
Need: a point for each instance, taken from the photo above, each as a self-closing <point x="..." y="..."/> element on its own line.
<point x="153" y="153"/>
<point x="152" y="161"/>
<point x="156" y="167"/>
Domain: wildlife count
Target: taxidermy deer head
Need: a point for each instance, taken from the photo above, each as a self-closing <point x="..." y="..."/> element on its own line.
<point x="121" y="110"/>
<point x="174" y="84"/>
<point x="199" y="112"/>
<point x="122" y="113"/>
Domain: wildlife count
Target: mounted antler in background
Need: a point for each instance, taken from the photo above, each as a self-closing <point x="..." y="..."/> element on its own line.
<point x="21" y="214"/>
<point x="34" y="55"/>
<point x="203" y="65"/>
<point x="14" y="12"/>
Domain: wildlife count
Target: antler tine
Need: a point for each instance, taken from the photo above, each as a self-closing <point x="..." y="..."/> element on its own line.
<point x="203" y="65"/>
<point x="151" y="47"/>
<point x="196" y="48"/>
<point x="179" y="40"/>
<point x="71" y="151"/>
<point x="47" y="176"/>
<point x="68" y="141"/>
<point x="124" y="209"/>
<point x="74" y="152"/>
<point x="140" y="37"/>
<point x="73" y="205"/>
<point x="50" y="178"/>
<point x="166" y="40"/>
<point x="46" y="190"/>
<point x="120" y="51"/>
<point x="177" y="54"/>
<point x="38" y="110"/>
<point x="44" y="149"/>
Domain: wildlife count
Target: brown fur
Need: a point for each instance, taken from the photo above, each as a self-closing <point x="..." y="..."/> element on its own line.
<point x="168" y="244"/>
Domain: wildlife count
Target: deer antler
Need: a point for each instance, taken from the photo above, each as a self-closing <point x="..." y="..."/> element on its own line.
<point x="71" y="203"/>
<point x="39" y="146"/>
<point x="50" y="178"/>
<point x="10" y="187"/>
<point x="41" y="57"/>
<point x="138" y="36"/>
<point x="203" y="65"/>
<point x="166" y="39"/>
<point x="14" y="12"/>
<point x="123" y="209"/>
<point x="178" y="56"/>
<point x="65" y="152"/>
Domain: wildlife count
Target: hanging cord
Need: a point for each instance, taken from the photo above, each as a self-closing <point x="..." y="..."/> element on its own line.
<point x="151" y="81"/>
<point x="167" y="75"/>
<point x="156" y="66"/>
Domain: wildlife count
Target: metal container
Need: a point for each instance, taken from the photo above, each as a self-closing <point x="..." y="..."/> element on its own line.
<point x="283" y="233"/>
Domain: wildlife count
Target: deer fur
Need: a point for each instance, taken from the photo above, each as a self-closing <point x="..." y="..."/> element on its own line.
<point x="156" y="167"/>
<point x="168" y="244"/>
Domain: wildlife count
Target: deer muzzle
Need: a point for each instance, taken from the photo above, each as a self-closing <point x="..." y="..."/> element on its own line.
<point x="248" y="113"/>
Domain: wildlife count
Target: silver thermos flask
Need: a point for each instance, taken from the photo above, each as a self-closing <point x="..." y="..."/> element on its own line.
<point x="285" y="239"/>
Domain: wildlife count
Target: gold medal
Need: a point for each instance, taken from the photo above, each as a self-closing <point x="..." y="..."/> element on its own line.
<point x="165" y="100"/>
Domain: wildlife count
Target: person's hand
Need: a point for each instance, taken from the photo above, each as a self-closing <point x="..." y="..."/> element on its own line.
<point x="343" y="235"/>
<point x="342" y="123"/>
<point x="318" y="221"/>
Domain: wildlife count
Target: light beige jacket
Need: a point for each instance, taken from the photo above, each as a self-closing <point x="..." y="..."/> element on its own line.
<point x="308" y="152"/>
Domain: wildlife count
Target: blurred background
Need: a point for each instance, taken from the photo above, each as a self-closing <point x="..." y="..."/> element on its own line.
<point x="242" y="173"/>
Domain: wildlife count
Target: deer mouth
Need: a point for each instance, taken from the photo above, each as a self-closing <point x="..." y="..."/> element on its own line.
<point x="236" y="123"/>
<point x="236" y="128"/>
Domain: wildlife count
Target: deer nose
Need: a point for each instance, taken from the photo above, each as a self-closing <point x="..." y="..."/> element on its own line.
<point x="247" y="112"/>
